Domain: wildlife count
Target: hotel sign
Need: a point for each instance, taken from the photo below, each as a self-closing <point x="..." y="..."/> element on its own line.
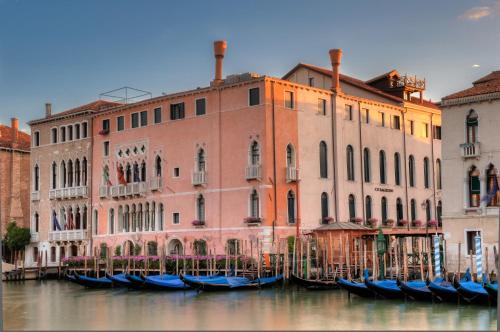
<point x="385" y="190"/>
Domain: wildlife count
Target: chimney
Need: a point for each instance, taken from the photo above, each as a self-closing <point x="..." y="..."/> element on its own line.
<point x="48" y="110"/>
<point x="219" y="50"/>
<point x="335" y="56"/>
<point x="14" y="125"/>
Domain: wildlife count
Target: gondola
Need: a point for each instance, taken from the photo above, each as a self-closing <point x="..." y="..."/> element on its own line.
<point x="385" y="288"/>
<point x="315" y="284"/>
<point x="445" y="291"/>
<point x="221" y="283"/>
<point x="492" y="289"/>
<point x="358" y="288"/>
<point x="472" y="291"/>
<point x="136" y="282"/>
<point x="416" y="290"/>
<point x="119" y="279"/>
<point x="90" y="282"/>
<point x="165" y="282"/>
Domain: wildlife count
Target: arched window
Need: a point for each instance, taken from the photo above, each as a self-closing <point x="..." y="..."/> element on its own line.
<point x="290" y="156"/>
<point x="472" y="124"/>
<point x="254" y="204"/>
<point x="474" y="187"/>
<point x="367" y="165"/>
<point x="201" y="160"/>
<point x="413" y="208"/>
<point x="399" y="209"/>
<point x="128" y="173"/>
<point x="147" y="217"/>
<point x="84" y="171"/>
<point x="70" y="173"/>
<point x="158" y="166"/>
<point x="492" y="186"/>
<point x="77" y="131"/>
<point x="382" y="166"/>
<point x="291" y="207"/>
<point x="254" y="154"/>
<point x="96" y="223"/>
<point x="439" y="211"/>
<point x="64" y="181"/>
<point x="397" y="169"/>
<point x="126" y="219"/>
<point x="439" y="185"/>
<point x="426" y="173"/>
<point x="36" y="222"/>
<point x="350" y="163"/>
<point x="62" y="131"/>
<point x="323" y="163"/>
<point x="111" y="221"/>
<point x="136" y="172"/>
<point x="70" y="133"/>
<point x="36" y="176"/>
<point x="411" y="170"/>
<point x="324" y="208"/>
<point x="143" y="171"/>
<point x="140" y="218"/>
<point x="160" y="216"/>
<point x="54" y="136"/>
<point x="200" y="208"/>
<point x="368" y="207"/>
<point x="175" y="247"/>
<point x="352" y="207"/>
<point x="54" y="175"/>
<point x="77" y="172"/>
<point x="84" y="218"/>
<point x="427" y="210"/>
<point x="384" y="209"/>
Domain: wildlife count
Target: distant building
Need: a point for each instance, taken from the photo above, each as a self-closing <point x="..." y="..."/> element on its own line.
<point x="471" y="159"/>
<point x="14" y="175"/>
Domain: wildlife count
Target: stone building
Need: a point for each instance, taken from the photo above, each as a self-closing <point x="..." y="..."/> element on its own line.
<point x="471" y="157"/>
<point x="14" y="175"/>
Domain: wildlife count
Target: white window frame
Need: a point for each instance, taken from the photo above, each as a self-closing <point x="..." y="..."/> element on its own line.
<point x="173" y="219"/>
<point x="466" y="230"/>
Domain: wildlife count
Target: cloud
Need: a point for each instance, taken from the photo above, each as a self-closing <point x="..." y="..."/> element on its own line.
<point x="476" y="66"/>
<point x="477" y="13"/>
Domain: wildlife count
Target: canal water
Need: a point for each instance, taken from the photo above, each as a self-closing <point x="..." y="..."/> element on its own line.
<point x="61" y="305"/>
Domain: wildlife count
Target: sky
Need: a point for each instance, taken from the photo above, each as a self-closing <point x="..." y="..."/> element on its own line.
<point x="68" y="52"/>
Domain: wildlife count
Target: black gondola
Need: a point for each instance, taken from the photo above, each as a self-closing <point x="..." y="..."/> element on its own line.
<point x="221" y="283"/>
<point x="315" y="284"/>
<point x="416" y="290"/>
<point x="89" y="281"/>
<point x="357" y="288"/>
<point x="136" y="282"/>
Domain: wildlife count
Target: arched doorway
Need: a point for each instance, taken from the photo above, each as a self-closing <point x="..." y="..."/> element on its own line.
<point x="175" y="247"/>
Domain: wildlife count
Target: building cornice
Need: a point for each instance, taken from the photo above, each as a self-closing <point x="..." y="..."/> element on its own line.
<point x="470" y="99"/>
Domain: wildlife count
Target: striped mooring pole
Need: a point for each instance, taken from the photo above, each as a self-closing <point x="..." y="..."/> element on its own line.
<point x="437" y="257"/>
<point x="479" y="258"/>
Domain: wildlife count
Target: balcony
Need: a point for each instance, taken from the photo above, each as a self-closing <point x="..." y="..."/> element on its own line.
<point x="65" y="193"/>
<point x="130" y="189"/>
<point x="253" y="172"/>
<point x="155" y="183"/>
<point x="199" y="178"/>
<point x="292" y="174"/>
<point x="35" y="196"/>
<point x="71" y="235"/>
<point x="470" y="150"/>
<point x="103" y="191"/>
<point x="34" y="237"/>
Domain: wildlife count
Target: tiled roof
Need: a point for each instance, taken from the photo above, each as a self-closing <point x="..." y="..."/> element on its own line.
<point x="6" y="139"/>
<point x="487" y="84"/>
<point x="98" y="105"/>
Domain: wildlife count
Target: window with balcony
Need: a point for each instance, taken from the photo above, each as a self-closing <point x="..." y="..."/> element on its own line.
<point x="411" y="170"/>
<point x="36" y="222"/>
<point x="200" y="162"/>
<point x="200" y="208"/>
<point x="254" y="204"/>
<point x="255" y="154"/>
<point x="177" y="111"/>
<point x="84" y="171"/>
<point x="200" y="106"/>
<point x="472" y="125"/>
<point x="291" y="207"/>
<point x="70" y="173"/>
<point x="63" y="174"/>
<point x="143" y="171"/>
<point x="77" y="172"/>
<point x="253" y="96"/>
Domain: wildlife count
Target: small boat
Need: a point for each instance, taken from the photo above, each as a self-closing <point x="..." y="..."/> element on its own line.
<point x="315" y="284"/>
<point x="472" y="291"/>
<point x="119" y="279"/>
<point x="358" y="288"/>
<point x="492" y="289"/>
<point x="220" y="283"/>
<point x="385" y="288"/>
<point x="90" y="282"/>
<point x="415" y="289"/>
<point x="165" y="282"/>
<point x="445" y="291"/>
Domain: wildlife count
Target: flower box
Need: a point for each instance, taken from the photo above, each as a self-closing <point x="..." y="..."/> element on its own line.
<point x="327" y="220"/>
<point x="403" y="222"/>
<point x="358" y="221"/>
<point x="389" y="222"/>
<point x="373" y="222"/>
<point x="104" y="132"/>
<point x="253" y="220"/>
<point x="417" y="223"/>
<point x="198" y="223"/>
<point x="432" y="223"/>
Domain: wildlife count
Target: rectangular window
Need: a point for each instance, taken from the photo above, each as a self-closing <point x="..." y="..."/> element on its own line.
<point x="77" y="131"/>
<point x="381" y="118"/>
<point x="289" y="99"/>
<point x="144" y="118"/>
<point x="200" y="106"/>
<point x="254" y="96"/>
<point x="135" y="120"/>
<point x="157" y="113"/>
<point x="311" y="81"/>
<point x="366" y="115"/>
<point x="106" y="149"/>
<point x="70" y="133"/>
<point x="37" y="139"/>
<point x="54" y="136"/>
<point x="120" y="123"/>
<point x="411" y="127"/>
<point x="426" y="130"/>
<point x="84" y="130"/>
<point x="63" y="134"/>
<point x="348" y="112"/>
<point x="105" y="125"/>
<point x="176" y="218"/>
<point x="437" y="132"/>
<point x="176" y="172"/>
<point x="471" y="242"/>
<point x="322" y="106"/>
<point x="177" y="111"/>
<point x="396" y="122"/>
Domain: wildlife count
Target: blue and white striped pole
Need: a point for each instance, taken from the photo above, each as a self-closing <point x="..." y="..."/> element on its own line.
<point x="437" y="257"/>
<point x="479" y="258"/>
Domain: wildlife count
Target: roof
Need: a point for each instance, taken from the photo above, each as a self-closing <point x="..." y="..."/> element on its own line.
<point x="343" y="226"/>
<point x="382" y="76"/>
<point x="96" y="106"/>
<point x="426" y="103"/>
<point x="485" y="85"/>
<point x="6" y="139"/>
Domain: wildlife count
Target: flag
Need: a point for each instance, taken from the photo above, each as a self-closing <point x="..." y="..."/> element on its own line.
<point x="57" y="227"/>
<point x="106" y="177"/>
<point x="121" y="178"/>
<point x="70" y="221"/>
<point x="493" y="189"/>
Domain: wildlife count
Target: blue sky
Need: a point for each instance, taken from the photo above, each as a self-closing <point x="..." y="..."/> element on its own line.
<point x="67" y="52"/>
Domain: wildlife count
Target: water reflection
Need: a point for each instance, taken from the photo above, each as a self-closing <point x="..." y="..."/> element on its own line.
<point x="62" y="305"/>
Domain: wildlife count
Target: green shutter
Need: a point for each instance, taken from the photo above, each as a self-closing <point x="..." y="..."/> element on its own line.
<point x="475" y="185"/>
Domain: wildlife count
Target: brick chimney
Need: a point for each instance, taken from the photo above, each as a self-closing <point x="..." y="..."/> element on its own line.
<point x="219" y="50"/>
<point x="48" y="110"/>
<point x="335" y="57"/>
<point x="14" y="125"/>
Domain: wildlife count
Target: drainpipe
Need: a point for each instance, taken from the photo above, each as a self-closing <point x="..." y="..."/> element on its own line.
<point x="361" y="164"/>
<point x="89" y="181"/>
<point x="405" y="165"/>
<point x="274" y="159"/>
<point x="433" y="176"/>
<point x="220" y="163"/>
<point x="334" y="160"/>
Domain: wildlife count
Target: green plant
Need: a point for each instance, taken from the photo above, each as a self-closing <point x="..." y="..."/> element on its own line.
<point x="118" y="251"/>
<point x="17" y="237"/>
<point x="104" y="250"/>
<point x="137" y="249"/>
<point x="152" y="248"/>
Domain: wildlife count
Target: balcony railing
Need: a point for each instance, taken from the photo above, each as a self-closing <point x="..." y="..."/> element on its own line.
<point x="34" y="237"/>
<point x="155" y="183"/>
<point x="199" y="177"/>
<point x="71" y="235"/>
<point x="130" y="189"/>
<point x="103" y="191"/>
<point x="35" y="196"/>
<point x="253" y="172"/>
<point x="64" y="193"/>
<point x="470" y="150"/>
<point x="292" y="174"/>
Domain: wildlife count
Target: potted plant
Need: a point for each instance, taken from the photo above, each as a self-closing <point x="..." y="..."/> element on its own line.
<point x="417" y="223"/>
<point x="198" y="222"/>
<point x="373" y="222"/>
<point x="326" y="220"/>
<point x="356" y="220"/>
<point x="389" y="222"/>
<point x="432" y="223"/>
<point x="104" y="132"/>
<point x="403" y="222"/>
